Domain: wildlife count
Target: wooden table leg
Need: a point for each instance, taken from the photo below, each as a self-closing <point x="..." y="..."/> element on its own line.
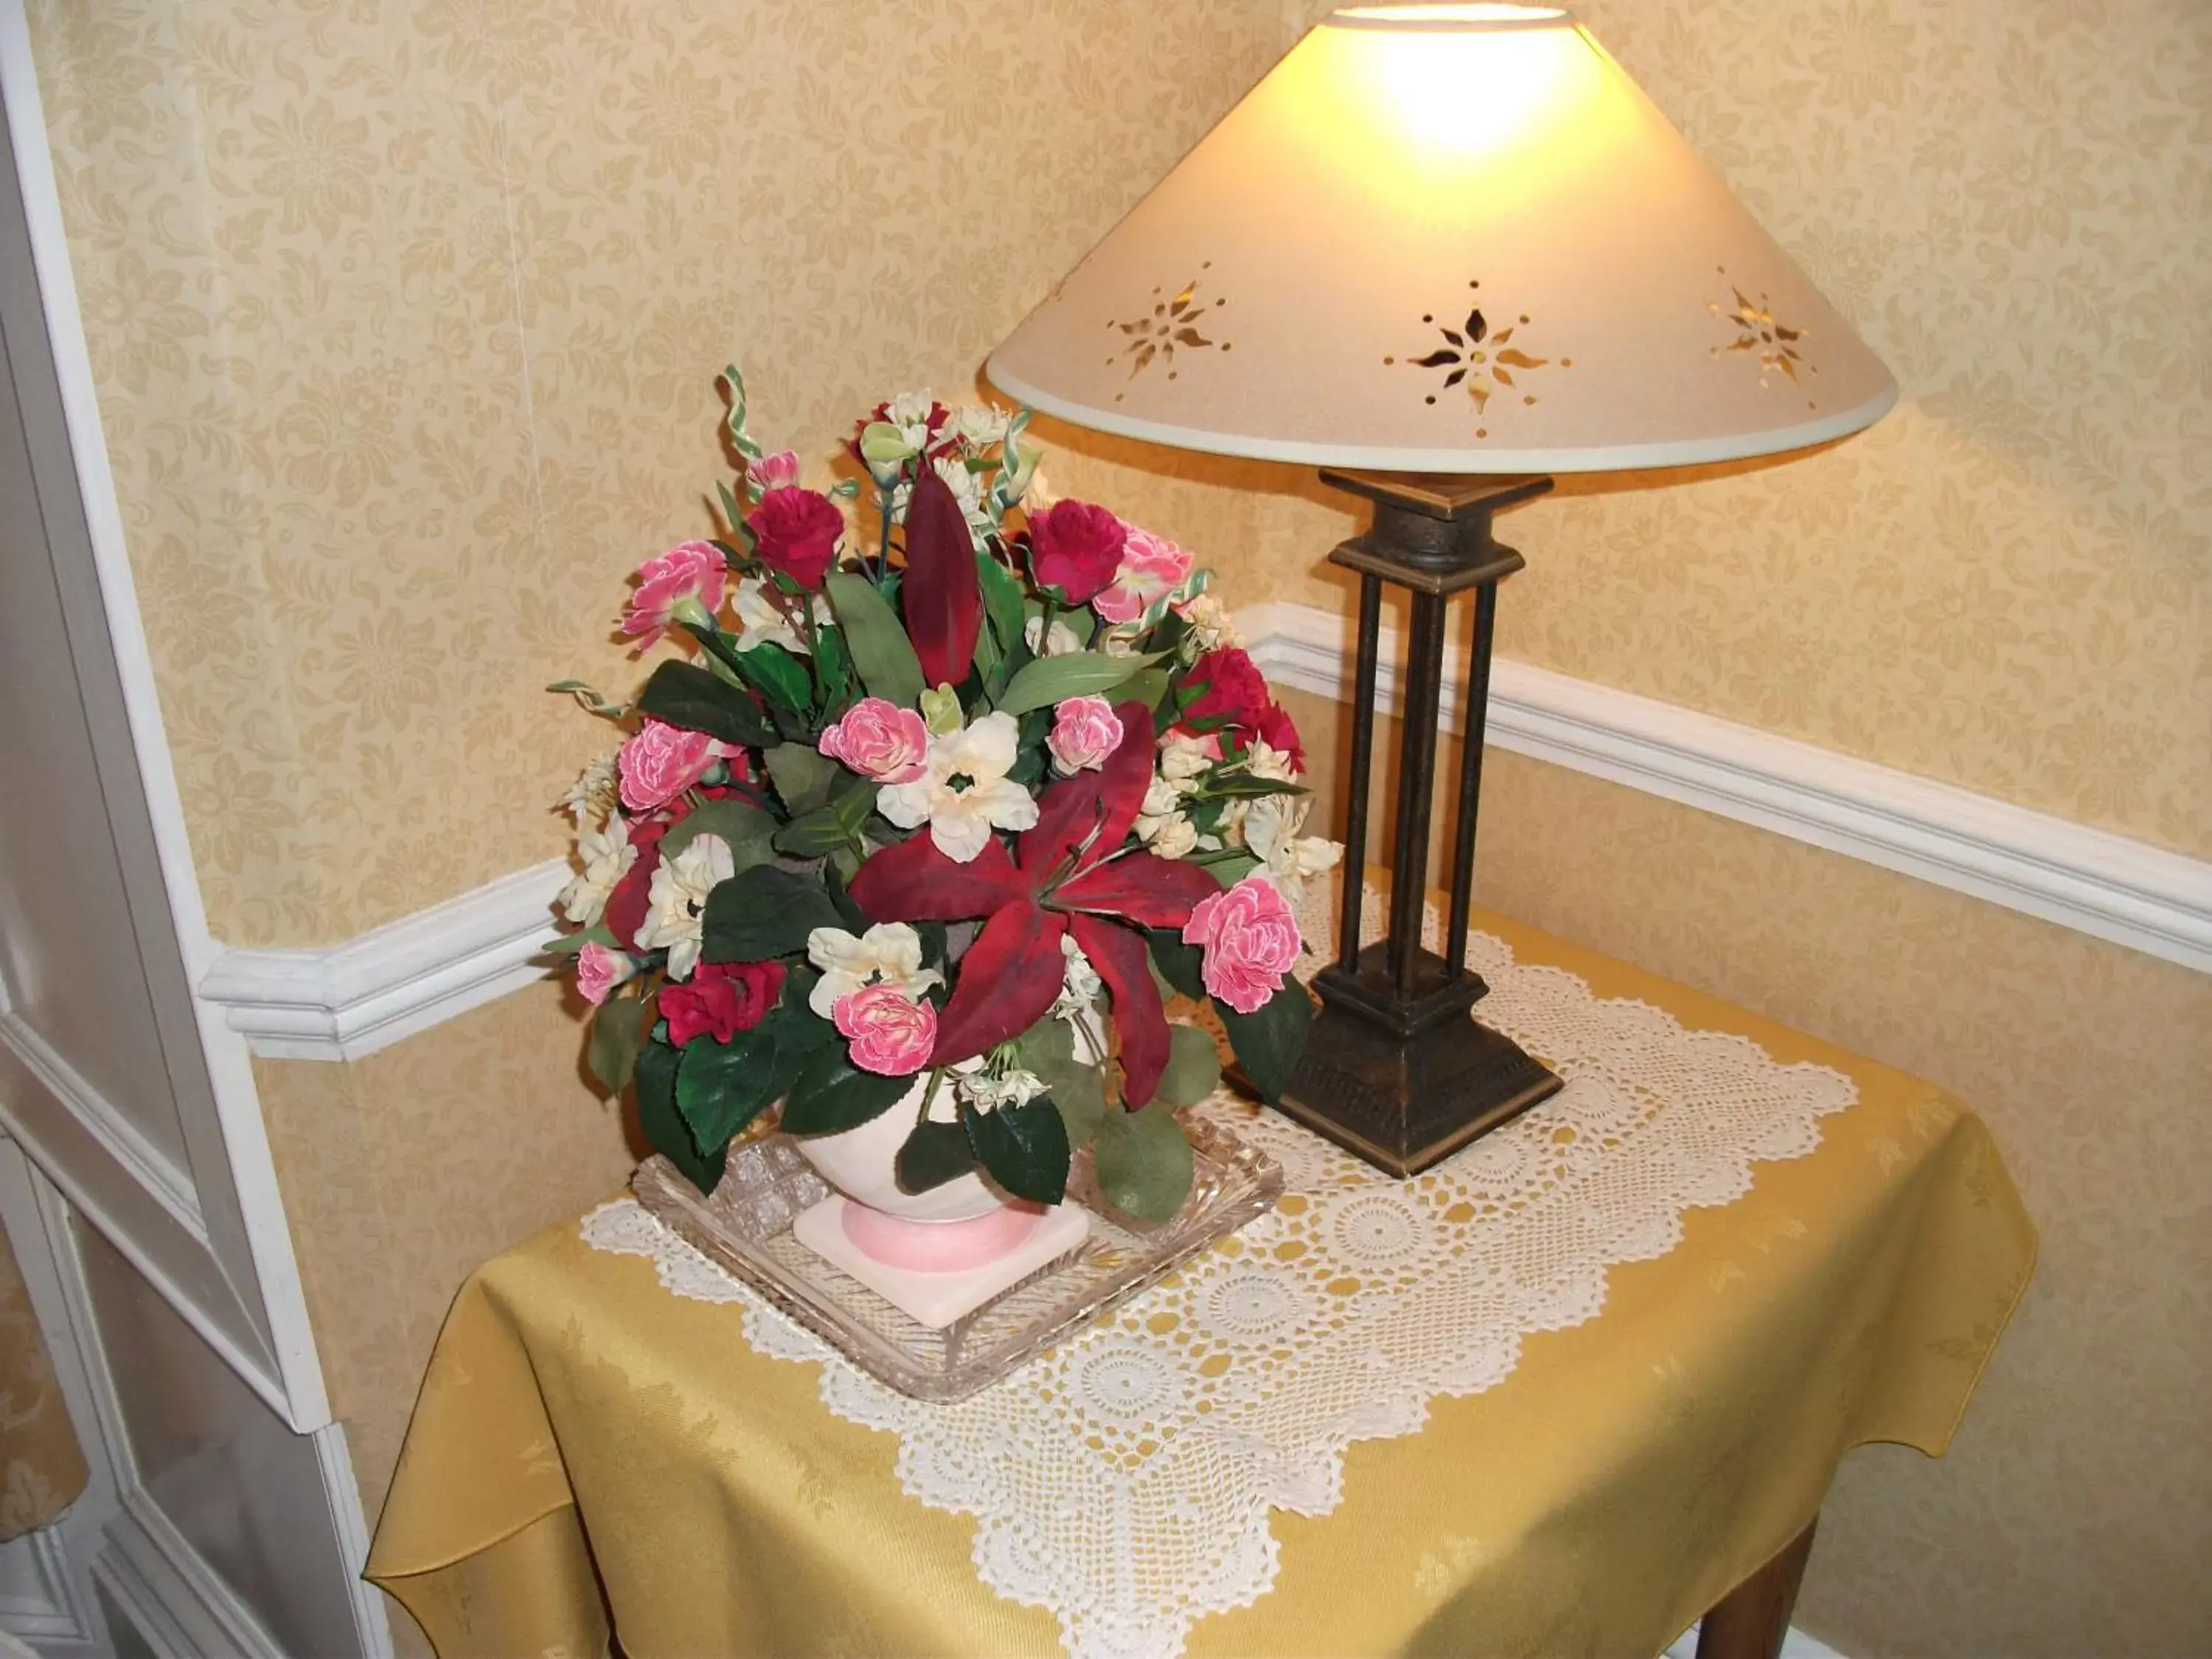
<point x="1751" y="1620"/>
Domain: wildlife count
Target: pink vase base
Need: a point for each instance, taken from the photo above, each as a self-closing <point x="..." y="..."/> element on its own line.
<point x="939" y="1247"/>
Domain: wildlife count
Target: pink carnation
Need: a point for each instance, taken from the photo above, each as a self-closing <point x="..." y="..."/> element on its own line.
<point x="1250" y="938"/>
<point x="1084" y="732"/>
<point x="889" y="1036"/>
<point x="598" y="970"/>
<point x="776" y="471"/>
<point x="662" y="761"/>
<point x="880" y="740"/>
<point x="690" y="570"/>
<point x="1151" y="566"/>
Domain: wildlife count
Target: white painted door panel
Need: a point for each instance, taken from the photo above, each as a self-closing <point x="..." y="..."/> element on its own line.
<point x="101" y="1073"/>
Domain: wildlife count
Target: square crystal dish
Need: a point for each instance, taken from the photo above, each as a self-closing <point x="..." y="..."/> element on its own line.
<point x="744" y="1227"/>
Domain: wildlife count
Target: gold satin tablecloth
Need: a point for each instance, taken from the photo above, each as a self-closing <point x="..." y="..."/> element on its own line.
<point x="1627" y="1475"/>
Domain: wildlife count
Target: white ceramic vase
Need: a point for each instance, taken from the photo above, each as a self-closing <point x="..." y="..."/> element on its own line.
<point x="863" y="1164"/>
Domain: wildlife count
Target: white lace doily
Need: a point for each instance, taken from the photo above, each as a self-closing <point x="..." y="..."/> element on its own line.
<point x="1124" y="1481"/>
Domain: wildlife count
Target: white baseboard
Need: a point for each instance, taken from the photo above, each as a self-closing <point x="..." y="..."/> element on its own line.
<point x="2091" y="880"/>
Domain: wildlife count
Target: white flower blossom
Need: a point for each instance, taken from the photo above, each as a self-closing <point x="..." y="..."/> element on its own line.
<point x="765" y="624"/>
<point x="1162" y="796"/>
<point x="1286" y="858"/>
<point x="980" y="425"/>
<point x="909" y="413"/>
<point x="607" y="856"/>
<point x="888" y="953"/>
<point x="593" y="795"/>
<point x="1184" y="759"/>
<point x="1211" y="627"/>
<point x="676" y="907"/>
<point x="966" y="490"/>
<point x="1263" y="760"/>
<point x="1079" y="982"/>
<point x="1064" y="638"/>
<point x="1172" y="837"/>
<point x="967" y="793"/>
<point x="986" y="1091"/>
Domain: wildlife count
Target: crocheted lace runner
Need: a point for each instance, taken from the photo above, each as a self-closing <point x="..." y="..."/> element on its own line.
<point x="1124" y="1481"/>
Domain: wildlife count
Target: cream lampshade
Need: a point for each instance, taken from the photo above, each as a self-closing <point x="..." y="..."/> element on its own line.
<point x="1439" y="243"/>
<point x="1446" y="239"/>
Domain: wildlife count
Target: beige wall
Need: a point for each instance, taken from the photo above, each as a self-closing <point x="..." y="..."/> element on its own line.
<point x="405" y="318"/>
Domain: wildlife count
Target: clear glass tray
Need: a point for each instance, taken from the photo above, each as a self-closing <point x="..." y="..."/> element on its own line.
<point x="745" y="1228"/>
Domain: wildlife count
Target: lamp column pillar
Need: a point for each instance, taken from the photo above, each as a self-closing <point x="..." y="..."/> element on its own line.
<point x="1397" y="1070"/>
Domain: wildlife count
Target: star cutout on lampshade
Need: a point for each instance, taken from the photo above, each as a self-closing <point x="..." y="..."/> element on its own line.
<point x="1449" y="239"/>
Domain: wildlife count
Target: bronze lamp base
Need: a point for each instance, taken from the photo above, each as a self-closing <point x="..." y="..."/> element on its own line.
<point x="1396" y="1069"/>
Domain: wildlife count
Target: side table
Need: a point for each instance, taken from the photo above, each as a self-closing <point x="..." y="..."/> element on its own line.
<point x="588" y="1441"/>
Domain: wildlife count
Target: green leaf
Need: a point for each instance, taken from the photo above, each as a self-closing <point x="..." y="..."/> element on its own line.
<point x="1229" y="868"/>
<point x="882" y="654"/>
<point x="1147" y="686"/>
<point x="665" y="1130"/>
<point x="567" y="944"/>
<point x="1024" y="1148"/>
<point x="1178" y="962"/>
<point x="590" y="700"/>
<point x="1143" y="1164"/>
<point x="1050" y="680"/>
<point x="934" y="1154"/>
<point x="1243" y="783"/>
<point x="778" y="676"/>
<point x="685" y="695"/>
<point x="616" y="1031"/>
<point x="794" y="1028"/>
<point x="827" y="829"/>
<point x="803" y="775"/>
<point x="831" y="1097"/>
<point x="742" y="441"/>
<point x="833" y="665"/>
<point x="1075" y="1086"/>
<point x="742" y="828"/>
<point x="1002" y="603"/>
<point x="1269" y="1042"/>
<point x="720" y="1087"/>
<point x="1194" y="1067"/>
<point x="764" y="912"/>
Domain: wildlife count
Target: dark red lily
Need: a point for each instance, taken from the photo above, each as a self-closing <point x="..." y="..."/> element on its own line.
<point x="1065" y="880"/>
<point x="942" y="596"/>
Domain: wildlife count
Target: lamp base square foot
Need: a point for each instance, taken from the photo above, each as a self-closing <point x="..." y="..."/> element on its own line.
<point x="1405" y="1101"/>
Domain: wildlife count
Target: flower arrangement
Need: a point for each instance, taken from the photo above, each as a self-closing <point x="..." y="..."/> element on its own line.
<point x="963" y="790"/>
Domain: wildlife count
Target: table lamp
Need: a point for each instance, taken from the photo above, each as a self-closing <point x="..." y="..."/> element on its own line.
<point x="1442" y="252"/>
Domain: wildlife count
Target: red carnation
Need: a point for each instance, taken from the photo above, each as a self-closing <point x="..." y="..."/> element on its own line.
<point x="795" y="531"/>
<point x="1278" y="731"/>
<point x="722" y="999"/>
<point x="1236" y="692"/>
<point x="1076" y="548"/>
